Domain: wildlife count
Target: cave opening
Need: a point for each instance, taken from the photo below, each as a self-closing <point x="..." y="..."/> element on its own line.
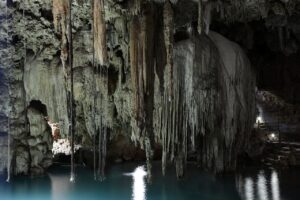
<point x="39" y="106"/>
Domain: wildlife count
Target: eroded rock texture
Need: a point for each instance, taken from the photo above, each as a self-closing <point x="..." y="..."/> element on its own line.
<point x="194" y="97"/>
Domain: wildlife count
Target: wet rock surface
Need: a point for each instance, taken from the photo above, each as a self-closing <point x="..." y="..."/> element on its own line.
<point x="211" y="112"/>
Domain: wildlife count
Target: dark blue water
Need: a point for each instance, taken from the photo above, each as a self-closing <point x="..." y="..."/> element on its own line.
<point x="127" y="181"/>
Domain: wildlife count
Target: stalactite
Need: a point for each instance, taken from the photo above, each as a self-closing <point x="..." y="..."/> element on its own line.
<point x="136" y="62"/>
<point x="199" y="16"/>
<point x="207" y="16"/>
<point x="148" y="30"/>
<point x="102" y="129"/>
<point x="100" y="32"/>
<point x="60" y="10"/>
<point x="142" y="75"/>
<point x="137" y="7"/>
<point x="169" y="88"/>
<point x="168" y="17"/>
<point x="134" y="56"/>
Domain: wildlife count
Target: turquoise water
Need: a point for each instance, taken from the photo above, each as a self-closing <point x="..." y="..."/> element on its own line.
<point x="128" y="181"/>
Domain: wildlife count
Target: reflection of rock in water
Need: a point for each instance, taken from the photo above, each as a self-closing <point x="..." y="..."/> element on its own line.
<point x="263" y="186"/>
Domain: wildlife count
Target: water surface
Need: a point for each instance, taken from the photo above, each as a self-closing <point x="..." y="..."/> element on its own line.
<point x="128" y="181"/>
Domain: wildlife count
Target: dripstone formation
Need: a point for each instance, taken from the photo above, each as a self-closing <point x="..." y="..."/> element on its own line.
<point x="150" y="72"/>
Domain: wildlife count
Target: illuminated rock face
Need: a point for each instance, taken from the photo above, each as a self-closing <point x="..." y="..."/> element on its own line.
<point x="210" y="112"/>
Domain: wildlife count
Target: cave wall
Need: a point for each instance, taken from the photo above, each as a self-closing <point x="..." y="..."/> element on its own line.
<point x="210" y="114"/>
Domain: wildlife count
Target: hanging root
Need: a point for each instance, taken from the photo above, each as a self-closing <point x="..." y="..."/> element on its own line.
<point x="100" y="33"/>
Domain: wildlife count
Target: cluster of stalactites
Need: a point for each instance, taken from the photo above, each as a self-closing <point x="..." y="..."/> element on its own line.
<point x="60" y="10"/>
<point x="136" y="69"/>
<point x="99" y="31"/>
<point x="142" y="29"/>
<point x="142" y="63"/>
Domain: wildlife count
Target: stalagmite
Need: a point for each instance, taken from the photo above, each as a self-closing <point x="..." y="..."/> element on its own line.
<point x="100" y="32"/>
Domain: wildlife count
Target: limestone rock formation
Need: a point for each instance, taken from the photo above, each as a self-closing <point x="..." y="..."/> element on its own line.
<point x="39" y="141"/>
<point x="209" y="78"/>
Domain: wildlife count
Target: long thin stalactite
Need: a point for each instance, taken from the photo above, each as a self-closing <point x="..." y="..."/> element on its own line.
<point x="168" y="16"/>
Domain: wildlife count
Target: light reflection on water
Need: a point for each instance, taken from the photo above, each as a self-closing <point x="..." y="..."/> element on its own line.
<point x="275" y="186"/>
<point x="249" y="189"/>
<point x="247" y="185"/>
<point x="139" y="185"/>
<point x="263" y="187"/>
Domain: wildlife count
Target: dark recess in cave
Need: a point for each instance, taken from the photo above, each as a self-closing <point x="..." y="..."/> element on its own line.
<point x="38" y="105"/>
<point x="277" y="67"/>
<point x="47" y="14"/>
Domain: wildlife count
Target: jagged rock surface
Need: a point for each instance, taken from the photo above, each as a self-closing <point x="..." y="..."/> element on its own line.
<point x="212" y="106"/>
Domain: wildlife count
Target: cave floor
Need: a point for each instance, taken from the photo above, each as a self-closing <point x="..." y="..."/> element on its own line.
<point x="127" y="181"/>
